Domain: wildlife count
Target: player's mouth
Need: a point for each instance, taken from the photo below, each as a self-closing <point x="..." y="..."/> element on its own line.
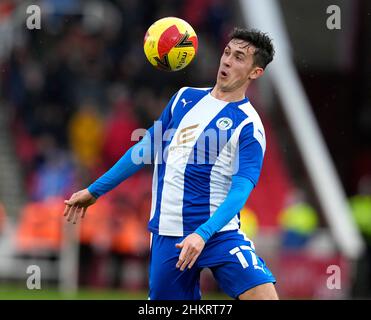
<point x="223" y="74"/>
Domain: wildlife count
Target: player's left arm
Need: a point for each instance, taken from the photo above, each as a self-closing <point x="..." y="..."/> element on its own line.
<point x="250" y="159"/>
<point x="193" y="244"/>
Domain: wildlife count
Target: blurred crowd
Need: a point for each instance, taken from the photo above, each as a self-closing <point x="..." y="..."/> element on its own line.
<point x="78" y="90"/>
<point x="75" y="91"/>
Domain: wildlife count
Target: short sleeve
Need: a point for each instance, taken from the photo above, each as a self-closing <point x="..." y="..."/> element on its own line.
<point x="250" y="153"/>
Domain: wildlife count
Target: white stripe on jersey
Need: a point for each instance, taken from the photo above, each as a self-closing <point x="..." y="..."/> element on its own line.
<point x="154" y="188"/>
<point x="171" y="217"/>
<point x="180" y="92"/>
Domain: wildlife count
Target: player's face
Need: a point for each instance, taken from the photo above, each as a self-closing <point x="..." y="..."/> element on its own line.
<point x="236" y="67"/>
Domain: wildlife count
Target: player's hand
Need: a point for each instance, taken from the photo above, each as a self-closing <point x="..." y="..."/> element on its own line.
<point x="192" y="247"/>
<point x="77" y="205"/>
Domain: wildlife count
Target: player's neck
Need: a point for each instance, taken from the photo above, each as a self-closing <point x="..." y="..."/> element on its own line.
<point x="230" y="96"/>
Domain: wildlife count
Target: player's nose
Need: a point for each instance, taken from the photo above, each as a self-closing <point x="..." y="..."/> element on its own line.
<point x="227" y="62"/>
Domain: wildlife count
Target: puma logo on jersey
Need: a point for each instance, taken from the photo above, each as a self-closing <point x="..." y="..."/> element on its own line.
<point x="261" y="133"/>
<point x="185" y="102"/>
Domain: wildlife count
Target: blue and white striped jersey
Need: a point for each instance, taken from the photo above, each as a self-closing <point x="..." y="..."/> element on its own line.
<point x="201" y="142"/>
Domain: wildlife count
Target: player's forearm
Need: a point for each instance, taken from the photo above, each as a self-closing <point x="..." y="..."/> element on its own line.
<point x="234" y="202"/>
<point x="131" y="162"/>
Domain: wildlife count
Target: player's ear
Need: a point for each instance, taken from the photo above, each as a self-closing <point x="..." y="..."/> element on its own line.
<point x="256" y="73"/>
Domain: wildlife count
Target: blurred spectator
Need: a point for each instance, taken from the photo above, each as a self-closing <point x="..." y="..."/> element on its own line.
<point x="218" y="20"/>
<point x="55" y="173"/>
<point x="6" y="8"/>
<point x="146" y="107"/>
<point x="25" y="145"/>
<point x="361" y="207"/>
<point x="194" y="12"/>
<point x="249" y="222"/>
<point x="6" y="31"/>
<point x="39" y="228"/>
<point x="299" y="221"/>
<point x="86" y="131"/>
<point x="2" y="218"/>
<point x="361" y="210"/>
<point x="95" y="243"/>
<point x="120" y="125"/>
<point x="130" y="245"/>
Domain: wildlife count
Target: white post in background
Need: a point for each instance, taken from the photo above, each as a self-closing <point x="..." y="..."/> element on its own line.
<point x="266" y="15"/>
<point x="69" y="259"/>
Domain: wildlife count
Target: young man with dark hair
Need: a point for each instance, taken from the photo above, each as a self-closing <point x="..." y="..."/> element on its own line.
<point x="214" y="145"/>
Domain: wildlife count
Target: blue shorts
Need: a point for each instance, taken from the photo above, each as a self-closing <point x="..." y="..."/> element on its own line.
<point x="230" y="256"/>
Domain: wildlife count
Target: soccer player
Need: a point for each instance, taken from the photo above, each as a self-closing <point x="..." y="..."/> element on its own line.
<point x="207" y="148"/>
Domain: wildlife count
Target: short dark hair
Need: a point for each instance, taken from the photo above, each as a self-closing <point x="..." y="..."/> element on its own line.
<point x="264" y="52"/>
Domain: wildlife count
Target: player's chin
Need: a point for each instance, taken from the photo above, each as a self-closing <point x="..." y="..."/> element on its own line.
<point x="222" y="82"/>
<point x="223" y="85"/>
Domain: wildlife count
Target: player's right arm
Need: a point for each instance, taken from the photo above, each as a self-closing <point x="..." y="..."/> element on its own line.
<point x="77" y="205"/>
<point x="124" y="168"/>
